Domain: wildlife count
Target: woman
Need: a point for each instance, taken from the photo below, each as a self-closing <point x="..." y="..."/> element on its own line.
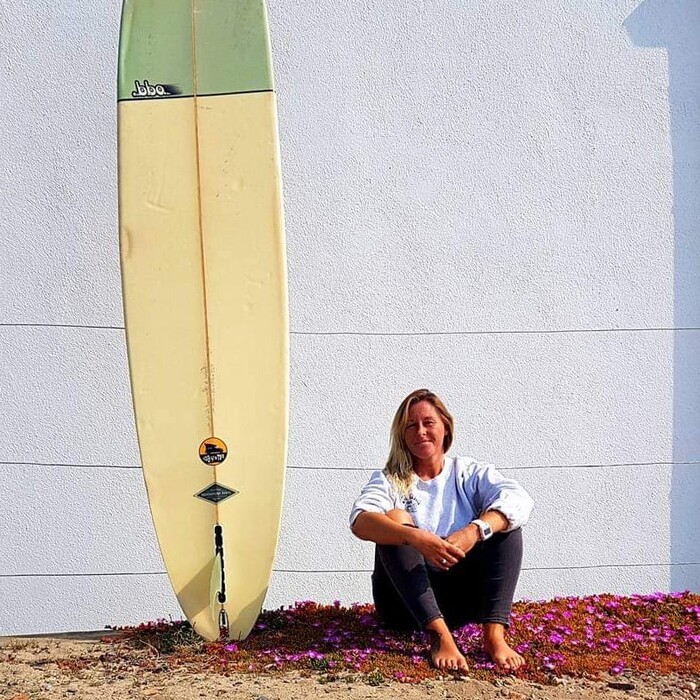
<point x="448" y="538"/>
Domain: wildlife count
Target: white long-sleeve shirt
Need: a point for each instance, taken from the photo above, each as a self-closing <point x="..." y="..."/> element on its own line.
<point x="462" y="491"/>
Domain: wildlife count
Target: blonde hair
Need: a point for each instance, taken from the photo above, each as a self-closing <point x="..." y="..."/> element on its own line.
<point x="399" y="465"/>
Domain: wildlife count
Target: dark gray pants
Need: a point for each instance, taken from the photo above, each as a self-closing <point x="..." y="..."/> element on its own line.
<point x="408" y="594"/>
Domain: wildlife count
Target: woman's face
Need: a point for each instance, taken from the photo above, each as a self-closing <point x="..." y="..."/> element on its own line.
<point x="425" y="431"/>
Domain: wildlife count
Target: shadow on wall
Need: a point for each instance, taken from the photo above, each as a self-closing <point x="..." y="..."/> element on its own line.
<point x="675" y="26"/>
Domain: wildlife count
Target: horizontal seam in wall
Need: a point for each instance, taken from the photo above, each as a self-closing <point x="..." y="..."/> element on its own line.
<point x="62" y="325"/>
<point x="400" y="334"/>
<point x="90" y="575"/>
<point x="533" y="466"/>
<point x="525" y="568"/>
<point x="350" y="571"/>
<point x="404" y="334"/>
<point x="70" y="466"/>
<point x="367" y="469"/>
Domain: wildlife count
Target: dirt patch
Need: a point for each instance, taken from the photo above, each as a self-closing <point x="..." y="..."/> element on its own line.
<point x="52" y="668"/>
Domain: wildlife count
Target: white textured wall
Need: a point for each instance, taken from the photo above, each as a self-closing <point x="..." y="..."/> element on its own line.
<point x="496" y="200"/>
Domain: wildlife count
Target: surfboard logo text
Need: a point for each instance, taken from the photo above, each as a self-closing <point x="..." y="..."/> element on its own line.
<point x="145" y="89"/>
<point x="213" y="451"/>
<point x="215" y="493"/>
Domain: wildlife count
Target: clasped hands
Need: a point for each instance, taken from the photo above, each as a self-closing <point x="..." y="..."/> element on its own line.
<point x="444" y="553"/>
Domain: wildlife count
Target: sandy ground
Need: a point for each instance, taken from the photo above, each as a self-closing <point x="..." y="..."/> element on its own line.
<point x="77" y="666"/>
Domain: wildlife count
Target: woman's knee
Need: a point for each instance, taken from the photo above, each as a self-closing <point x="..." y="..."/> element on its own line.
<point x="511" y="540"/>
<point x="400" y="516"/>
<point x="505" y="550"/>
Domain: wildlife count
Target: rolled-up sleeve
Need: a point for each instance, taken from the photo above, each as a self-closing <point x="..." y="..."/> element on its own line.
<point x="493" y="491"/>
<point x="376" y="497"/>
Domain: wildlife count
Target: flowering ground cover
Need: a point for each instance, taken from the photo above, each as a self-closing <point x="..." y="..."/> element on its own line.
<point x="564" y="636"/>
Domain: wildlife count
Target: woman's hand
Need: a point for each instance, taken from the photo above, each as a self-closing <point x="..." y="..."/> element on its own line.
<point x="465" y="538"/>
<point x="440" y="553"/>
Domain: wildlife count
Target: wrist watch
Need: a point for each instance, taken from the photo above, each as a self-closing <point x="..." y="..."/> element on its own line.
<point x="484" y="528"/>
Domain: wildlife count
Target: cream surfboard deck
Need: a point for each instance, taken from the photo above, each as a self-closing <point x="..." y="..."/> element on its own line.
<point x="204" y="283"/>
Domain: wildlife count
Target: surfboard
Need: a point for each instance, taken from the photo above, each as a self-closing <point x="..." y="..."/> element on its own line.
<point x="205" y="295"/>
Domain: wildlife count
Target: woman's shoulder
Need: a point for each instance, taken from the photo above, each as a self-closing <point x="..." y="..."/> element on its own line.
<point x="467" y="465"/>
<point x="467" y="468"/>
<point x="378" y="479"/>
<point x="379" y="486"/>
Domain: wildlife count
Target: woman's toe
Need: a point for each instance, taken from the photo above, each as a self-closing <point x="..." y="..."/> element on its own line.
<point x="516" y="662"/>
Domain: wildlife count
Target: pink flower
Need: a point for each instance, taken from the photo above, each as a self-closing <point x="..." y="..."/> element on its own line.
<point x="617" y="668"/>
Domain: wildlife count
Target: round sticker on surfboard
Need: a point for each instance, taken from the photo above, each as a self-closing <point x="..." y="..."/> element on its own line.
<point x="213" y="451"/>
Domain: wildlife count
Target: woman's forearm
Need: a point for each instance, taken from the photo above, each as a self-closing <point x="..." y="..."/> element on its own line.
<point x="379" y="528"/>
<point x="496" y="520"/>
<point x="468" y="536"/>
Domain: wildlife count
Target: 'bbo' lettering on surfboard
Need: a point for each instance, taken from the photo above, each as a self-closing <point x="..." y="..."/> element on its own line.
<point x="145" y="89"/>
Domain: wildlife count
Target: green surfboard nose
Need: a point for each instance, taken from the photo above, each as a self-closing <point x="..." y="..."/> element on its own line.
<point x="229" y="54"/>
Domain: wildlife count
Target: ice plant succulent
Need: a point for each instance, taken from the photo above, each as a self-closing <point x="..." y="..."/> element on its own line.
<point x="574" y="636"/>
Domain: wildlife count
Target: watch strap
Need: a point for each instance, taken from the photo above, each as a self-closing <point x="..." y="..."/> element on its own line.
<point x="485" y="530"/>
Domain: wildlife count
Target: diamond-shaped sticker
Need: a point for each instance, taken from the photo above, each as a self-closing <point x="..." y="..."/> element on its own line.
<point x="215" y="493"/>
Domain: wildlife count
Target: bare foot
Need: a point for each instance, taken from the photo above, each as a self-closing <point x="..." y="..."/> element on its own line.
<point x="445" y="654"/>
<point x="500" y="652"/>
